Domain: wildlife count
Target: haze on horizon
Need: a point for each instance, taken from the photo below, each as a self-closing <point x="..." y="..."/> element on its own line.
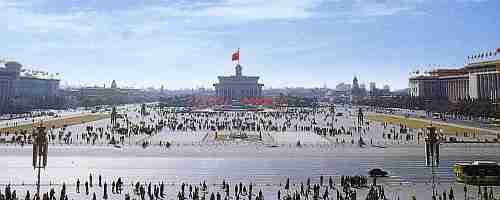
<point x="301" y="43"/>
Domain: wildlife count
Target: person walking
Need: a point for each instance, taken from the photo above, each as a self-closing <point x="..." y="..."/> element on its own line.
<point x="451" y="196"/>
<point x="90" y="179"/>
<point x="78" y="185"/>
<point x="105" y="195"/>
<point x="465" y="192"/>
<point x="162" y="187"/>
<point x="86" y="188"/>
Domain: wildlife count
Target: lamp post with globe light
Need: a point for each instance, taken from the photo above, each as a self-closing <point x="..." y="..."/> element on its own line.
<point x="40" y="151"/>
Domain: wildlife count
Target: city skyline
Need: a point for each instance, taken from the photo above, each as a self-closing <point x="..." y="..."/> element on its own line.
<point x="187" y="44"/>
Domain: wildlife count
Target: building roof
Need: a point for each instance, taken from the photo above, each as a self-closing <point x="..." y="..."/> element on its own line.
<point x="483" y="64"/>
<point x="48" y="78"/>
<point x="454" y="73"/>
<point x="13" y="64"/>
<point x="448" y="72"/>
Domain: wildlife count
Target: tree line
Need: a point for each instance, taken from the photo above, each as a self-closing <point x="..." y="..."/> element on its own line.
<point x="467" y="108"/>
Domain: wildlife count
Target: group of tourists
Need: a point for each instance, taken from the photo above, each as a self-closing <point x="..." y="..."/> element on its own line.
<point x="320" y="190"/>
<point x="322" y="122"/>
<point x="354" y="181"/>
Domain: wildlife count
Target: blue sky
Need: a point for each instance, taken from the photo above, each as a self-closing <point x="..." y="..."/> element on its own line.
<point x="187" y="43"/>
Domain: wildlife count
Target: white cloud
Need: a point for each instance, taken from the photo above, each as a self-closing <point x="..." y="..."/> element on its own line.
<point x="167" y="34"/>
<point x="261" y="9"/>
<point x="146" y="19"/>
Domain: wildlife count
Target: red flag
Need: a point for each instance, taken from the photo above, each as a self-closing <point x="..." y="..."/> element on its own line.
<point x="236" y="56"/>
<point x="498" y="50"/>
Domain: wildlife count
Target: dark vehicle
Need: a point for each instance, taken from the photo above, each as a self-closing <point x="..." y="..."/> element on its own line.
<point x="378" y="173"/>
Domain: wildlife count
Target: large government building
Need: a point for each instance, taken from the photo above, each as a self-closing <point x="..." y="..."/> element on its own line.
<point x="19" y="88"/>
<point x="238" y="86"/>
<point x="479" y="80"/>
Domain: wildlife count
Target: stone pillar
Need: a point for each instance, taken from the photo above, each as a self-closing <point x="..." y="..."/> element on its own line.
<point x="480" y="86"/>
<point x="453" y="90"/>
<point x="493" y="86"/>
<point x="484" y="85"/>
<point x="498" y="85"/>
<point x="459" y="88"/>
<point x="488" y="86"/>
<point x="464" y="85"/>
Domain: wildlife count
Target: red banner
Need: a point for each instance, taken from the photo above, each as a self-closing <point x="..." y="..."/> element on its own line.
<point x="257" y="101"/>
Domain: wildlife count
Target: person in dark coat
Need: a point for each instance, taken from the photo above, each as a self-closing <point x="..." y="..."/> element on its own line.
<point x="86" y="188"/>
<point x="105" y="195"/>
<point x="78" y="186"/>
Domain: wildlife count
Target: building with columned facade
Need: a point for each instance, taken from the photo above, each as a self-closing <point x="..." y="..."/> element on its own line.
<point x="238" y="87"/>
<point x="479" y="80"/>
<point x="21" y="90"/>
<point x="9" y="74"/>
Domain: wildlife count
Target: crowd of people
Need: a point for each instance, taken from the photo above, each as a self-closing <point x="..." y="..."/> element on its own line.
<point x="338" y="129"/>
<point x="134" y="124"/>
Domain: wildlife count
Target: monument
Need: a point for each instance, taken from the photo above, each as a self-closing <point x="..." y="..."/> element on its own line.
<point x="238" y="87"/>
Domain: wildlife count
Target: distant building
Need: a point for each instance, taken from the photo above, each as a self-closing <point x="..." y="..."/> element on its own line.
<point x="479" y="80"/>
<point x="93" y="96"/>
<point x="8" y="76"/>
<point x="21" y="91"/>
<point x="114" y="85"/>
<point x="373" y="86"/>
<point x="355" y="84"/>
<point x="36" y="92"/>
<point x="343" y="87"/>
<point x="238" y="86"/>
<point x="357" y="92"/>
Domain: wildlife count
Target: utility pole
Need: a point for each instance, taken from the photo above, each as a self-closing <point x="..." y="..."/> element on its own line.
<point x="432" y="146"/>
<point x="40" y="150"/>
<point x="432" y="153"/>
<point x="332" y="111"/>
<point x="360" y="117"/>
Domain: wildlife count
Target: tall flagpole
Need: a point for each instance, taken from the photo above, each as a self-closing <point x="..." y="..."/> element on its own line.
<point x="238" y="55"/>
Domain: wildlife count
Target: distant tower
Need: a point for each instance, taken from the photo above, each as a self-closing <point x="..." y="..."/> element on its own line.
<point x="238" y="70"/>
<point x="162" y="89"/>
<point x="355" y="90"/>
<point x="355" y="84"/>
<point x="113" y="84"/>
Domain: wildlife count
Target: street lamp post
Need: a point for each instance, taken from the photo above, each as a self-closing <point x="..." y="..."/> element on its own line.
<point x="432" y="142"/>
<point x="332" y="111"/>
<point x="40" y="149"/>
